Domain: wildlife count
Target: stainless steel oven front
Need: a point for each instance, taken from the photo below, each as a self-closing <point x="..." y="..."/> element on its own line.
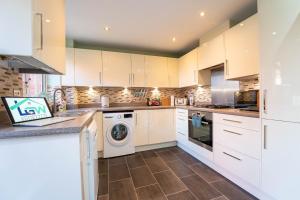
<point x="201" y="134"/>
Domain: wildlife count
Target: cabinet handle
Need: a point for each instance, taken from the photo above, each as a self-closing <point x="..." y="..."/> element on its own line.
<point x="265" y="101"/>
<point x="129" y="79"/>
<point x="265" y="136"/>
<point x="230" y="120"/>
<point x="180" y="133"/>
<point x="42" y="31"/>
<point x="100" y="77"/>
<point x="232" y="132"/>
<point x="133" y="78"/>
<point x="232" y="156"/>
<point x="226" y="67"/>
<point x="181" y="119"/>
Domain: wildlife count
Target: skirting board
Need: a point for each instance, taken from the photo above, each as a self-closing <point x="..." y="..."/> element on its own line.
<point x="147" y="147"/>
<point x="249" y="188"/>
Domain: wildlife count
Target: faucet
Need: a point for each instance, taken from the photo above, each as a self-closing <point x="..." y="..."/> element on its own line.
<point x="54" y="110"/>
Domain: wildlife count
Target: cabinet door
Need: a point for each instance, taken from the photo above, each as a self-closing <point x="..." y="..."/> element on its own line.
<point x="188" y="67"/>
<point x="211" y="53"/>
<point x="49" y="33"/>
<point x="116" y="69"/>
<point x="138" y="70"/>
<point x="173" y="72"/>
<point x="241" y="43"/>
<point x="87" y="67"/>
<point x="279" y="53"/>
<point x="161" y="126"/>
<point x="280" y="159"/>
<point x="141" y="127"/>
<point x="156" y="71"/>
<point x="69" y="78"/>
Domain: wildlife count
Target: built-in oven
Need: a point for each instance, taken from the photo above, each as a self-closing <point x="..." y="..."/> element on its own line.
<point x="201" y="129"/>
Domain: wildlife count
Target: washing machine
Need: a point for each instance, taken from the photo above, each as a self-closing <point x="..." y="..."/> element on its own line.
<point x="118" y="133"/>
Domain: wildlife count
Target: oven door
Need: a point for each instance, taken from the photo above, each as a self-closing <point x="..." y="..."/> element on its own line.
<point x="201" y="135"/>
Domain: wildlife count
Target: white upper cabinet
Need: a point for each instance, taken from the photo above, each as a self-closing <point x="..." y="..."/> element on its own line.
<point x="156" y="71"/>
<point x="116" y="69"/>
<point x="88" y="67"/>
<point x="280" y="63"/>
<point x="173" y="66"/>
<point x="211" y="53"/>
<point x="69" y="78"/>
<point x="188" y="69"/>
<point x="242" y="50"/>
<point x="138" y="70"/>
<point x="34" y="28"/>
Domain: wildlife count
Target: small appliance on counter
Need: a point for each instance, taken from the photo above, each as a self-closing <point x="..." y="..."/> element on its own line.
<point x="153" y="102"/>
<point x="180" y="101"/>
<point x="105" y="101"/>
<point x="191" y="100"/>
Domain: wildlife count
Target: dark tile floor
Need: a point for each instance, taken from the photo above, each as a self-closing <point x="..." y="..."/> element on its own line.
<point x="163" y="174"/>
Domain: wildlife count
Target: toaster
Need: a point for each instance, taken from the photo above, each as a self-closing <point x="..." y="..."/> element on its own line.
<point x="180" y="101"/>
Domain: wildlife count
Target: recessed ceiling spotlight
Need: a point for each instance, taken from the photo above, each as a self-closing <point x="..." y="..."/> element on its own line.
<point x="241" y="24"/>
<point x="174" y="39"/>
<point x="202" y="13"/>
<point x="48" y="20"/>
<point x="274" y="33"/>
<point x="106" y="28"/>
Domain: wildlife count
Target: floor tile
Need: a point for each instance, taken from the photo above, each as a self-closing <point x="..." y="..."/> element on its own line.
<point x="156" y="164"/>
<point x="179" y="168"/>
<point x="103" y="184"/>
<point x="201" y="189"/>
<point x="117" y="160"/>
<point x="122" y="189"/>
<point x="117" y="172"/>
<point x="151" y="192"/>
<point x="185" y="195"/>
<point x="102" y="166"/>
<point x="175" y="150"/>
<point x="167" y="155"/>
<point x="169" y="182"/>
<point x="148" y="154"/>
<point x="141" y="176"/>
<point x="187" y="159"/>
<point x="206" y="173"/>
<point x="231" y="191"/>
<point x="104" y="197"/>
<point x="135" y="161"/>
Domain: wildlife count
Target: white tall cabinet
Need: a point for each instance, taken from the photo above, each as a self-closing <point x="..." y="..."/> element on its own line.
<point x="242" y="49"/>
<point x="34" y="28"/>
<point x="116" y="69"/>
<point x="279" y="60"/>
<point x="88" y="67"/>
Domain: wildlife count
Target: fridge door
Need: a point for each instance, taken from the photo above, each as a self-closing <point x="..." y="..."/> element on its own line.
<point x="279" y="59"/>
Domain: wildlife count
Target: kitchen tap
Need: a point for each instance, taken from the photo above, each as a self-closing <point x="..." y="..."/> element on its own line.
<point x="54" y="110"/>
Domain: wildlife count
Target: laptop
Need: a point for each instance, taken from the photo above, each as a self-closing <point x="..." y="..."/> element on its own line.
<point x="30" y="111"/>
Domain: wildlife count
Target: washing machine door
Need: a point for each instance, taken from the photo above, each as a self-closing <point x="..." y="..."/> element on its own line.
<point x="118" y="134"/>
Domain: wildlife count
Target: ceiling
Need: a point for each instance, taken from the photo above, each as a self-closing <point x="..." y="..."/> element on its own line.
<point x="149" y="25"/>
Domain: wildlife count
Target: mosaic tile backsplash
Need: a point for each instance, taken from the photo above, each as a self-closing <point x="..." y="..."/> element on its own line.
<point x="10" y="80"/>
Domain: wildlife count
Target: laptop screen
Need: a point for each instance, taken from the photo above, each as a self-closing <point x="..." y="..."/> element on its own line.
<point x="22" y="109"/>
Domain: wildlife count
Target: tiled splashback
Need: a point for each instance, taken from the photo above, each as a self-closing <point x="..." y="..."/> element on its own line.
<point x="85" y="95"/>
<point x="9" y="81"/>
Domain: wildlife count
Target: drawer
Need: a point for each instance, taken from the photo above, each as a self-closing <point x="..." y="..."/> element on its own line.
<point x="182" y="127"/>
<point x="238" y="121"/>
<point x="242" y="140"/>
<point x="182" y="112"/>
<point x="238" y="164"/>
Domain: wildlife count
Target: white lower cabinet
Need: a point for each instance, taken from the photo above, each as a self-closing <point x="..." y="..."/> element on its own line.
<point x="154" y="126"/>
<point x="141" y="127"/>
<point x="182" y="126"/>
<point x="280" y="159"/>
<point x="237" y="146"/>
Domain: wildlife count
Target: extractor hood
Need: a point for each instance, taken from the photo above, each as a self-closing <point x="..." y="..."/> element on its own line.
<point x="28" y="64"/>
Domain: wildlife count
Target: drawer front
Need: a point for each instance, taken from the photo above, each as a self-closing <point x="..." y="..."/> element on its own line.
<point x="238" y="121"/>
<point x="238" y="164"/>
<point x="181" y="112"/>
<point x="242" y="140"/>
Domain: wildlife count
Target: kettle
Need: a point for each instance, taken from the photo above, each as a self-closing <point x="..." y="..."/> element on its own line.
<point x="105" y="101"/>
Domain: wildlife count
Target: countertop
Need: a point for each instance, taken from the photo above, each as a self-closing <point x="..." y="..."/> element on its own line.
<point x="84" y="116"/>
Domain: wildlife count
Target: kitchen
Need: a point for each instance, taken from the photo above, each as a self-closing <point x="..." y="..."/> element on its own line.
<point x="104" y="100"/>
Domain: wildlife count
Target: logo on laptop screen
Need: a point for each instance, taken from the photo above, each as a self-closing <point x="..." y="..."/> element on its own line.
<point x="29" y="109"/>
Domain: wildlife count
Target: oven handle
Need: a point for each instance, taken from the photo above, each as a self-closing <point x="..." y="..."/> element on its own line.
<point x="206" y="123"/>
